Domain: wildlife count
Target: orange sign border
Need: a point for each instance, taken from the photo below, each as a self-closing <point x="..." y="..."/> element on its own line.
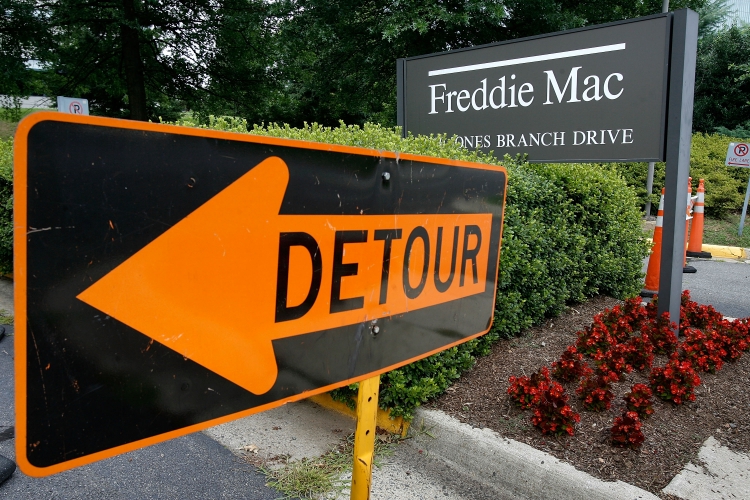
<point x="20" y="205"/>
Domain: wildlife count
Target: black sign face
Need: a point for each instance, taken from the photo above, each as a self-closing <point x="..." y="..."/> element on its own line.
<point x="595" y="94"/>
<point x="169" y="279"/>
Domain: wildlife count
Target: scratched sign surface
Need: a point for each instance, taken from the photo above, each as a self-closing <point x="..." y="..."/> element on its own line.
<point x="169" y="279"/>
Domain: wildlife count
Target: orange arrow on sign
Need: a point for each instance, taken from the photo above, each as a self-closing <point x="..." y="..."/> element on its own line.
<point x="234" y="275"/>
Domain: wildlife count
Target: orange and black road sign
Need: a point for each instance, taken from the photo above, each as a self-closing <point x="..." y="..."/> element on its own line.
<point x="169" y="279"/>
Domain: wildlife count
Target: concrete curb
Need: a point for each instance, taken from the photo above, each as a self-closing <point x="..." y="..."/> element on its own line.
<point x="510" y="469"/>
<point x="727" y="251"/>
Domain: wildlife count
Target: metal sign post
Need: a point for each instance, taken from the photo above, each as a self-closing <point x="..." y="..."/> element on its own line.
<point x="679" y="136"/>
<point x="364" y="438"/>
<point x="744" y="207"/>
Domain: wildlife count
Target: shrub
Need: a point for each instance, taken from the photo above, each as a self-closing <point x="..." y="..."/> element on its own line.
<point x="724" y="185"/>
<point x="526" y="391"/>
<point x="605" y="210"/>
<point x="596" y="392"/>
<point x="626" y="430"/>
<point x="675" y="382"/>
<point x="639" y="400"/>
<point x="571" y="366"/>
<point x="552" y="414"/>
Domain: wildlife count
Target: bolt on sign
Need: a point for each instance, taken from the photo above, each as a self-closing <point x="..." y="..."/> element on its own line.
<point x="169" y="279"/>
<point x="592" y="94"/>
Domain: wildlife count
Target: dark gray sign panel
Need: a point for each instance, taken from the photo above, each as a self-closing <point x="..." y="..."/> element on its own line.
<point x="595" y="94"/>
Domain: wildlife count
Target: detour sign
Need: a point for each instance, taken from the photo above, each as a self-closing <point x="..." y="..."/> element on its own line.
<point x="169" y="279"/>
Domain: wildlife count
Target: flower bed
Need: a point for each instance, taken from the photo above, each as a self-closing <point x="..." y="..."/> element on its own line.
<point x="673" y="433"/>
<point x="618" y="340"/>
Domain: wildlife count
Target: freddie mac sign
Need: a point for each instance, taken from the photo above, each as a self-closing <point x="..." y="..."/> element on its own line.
<point x="594" y="94"/>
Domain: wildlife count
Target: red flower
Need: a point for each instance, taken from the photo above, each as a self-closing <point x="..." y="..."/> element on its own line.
<point x="596" y="393"/>
<point x="639" y="400"/>
<point x="552" y="414"/>
<point x="526" y="391"/>
<point x="571" y="366"/>
<point x="626" y="430"/>
<point x="675" y="382"/>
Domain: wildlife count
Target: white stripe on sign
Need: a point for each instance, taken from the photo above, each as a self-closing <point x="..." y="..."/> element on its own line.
<point x="530" y="59"/>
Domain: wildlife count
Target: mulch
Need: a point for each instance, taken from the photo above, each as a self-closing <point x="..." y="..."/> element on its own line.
<point x="674" y="434"/>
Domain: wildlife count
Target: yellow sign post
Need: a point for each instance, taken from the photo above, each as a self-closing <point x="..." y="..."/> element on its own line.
<point x="364" y="438"/>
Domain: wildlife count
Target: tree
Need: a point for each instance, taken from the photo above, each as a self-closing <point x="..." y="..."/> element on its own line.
<point x="140" y="59"/>
<point x="713" y="15"/>
<point x="721" y="90"/>
<point x="19" y="30"/>
<point x="243" y="70"/>
<point x="337" y="58"/>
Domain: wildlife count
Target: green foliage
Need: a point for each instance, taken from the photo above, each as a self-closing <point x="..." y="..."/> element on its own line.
<point x="635" y="175"/>
<point x="725" y="186"/>
<point x="286" y="61"/>
<point x="6" y="206"/>
<point x="741" y="131"/>
<point x="721" y="92"/>
<point x="712" y="16"/>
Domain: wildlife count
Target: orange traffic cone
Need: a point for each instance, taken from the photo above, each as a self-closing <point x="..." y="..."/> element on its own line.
<point x="695" y="248"/>
<point x="688" y="217"/>
<point x="651" y="287"/>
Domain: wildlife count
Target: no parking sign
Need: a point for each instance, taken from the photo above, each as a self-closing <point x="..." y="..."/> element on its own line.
<point x="738" y="155"/>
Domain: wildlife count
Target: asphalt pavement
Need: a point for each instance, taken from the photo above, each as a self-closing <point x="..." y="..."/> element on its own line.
<point x="190" y="467"/>
<point x="722" y="283"/>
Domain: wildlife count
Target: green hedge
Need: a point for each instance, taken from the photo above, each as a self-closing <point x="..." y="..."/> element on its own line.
<point x="725" y="186"/>
<point x="571" y="232"/>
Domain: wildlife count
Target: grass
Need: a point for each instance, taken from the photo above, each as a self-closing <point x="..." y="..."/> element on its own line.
<point x="322" y="477"/>
<point x="8" y="126"/>
<point x="6" y="318"/>
<point x="724" y="231"/>
<point x="7" y="129"/>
